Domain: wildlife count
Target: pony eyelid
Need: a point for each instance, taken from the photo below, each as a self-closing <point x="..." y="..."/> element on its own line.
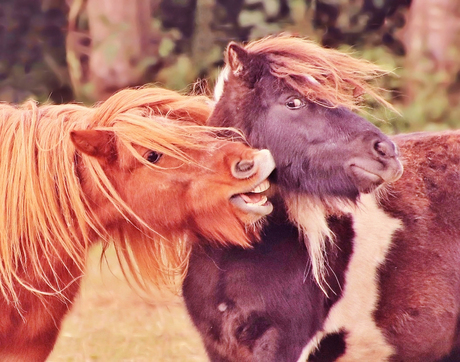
<point x="159" y="155"/>
<point x="302" y="104"/>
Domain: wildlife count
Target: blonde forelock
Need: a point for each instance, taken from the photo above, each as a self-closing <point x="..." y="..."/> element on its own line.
<point x="341" y="79"/>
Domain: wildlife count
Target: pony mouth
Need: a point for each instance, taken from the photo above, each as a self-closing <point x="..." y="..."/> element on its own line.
<point x="367" y="180"/>
<point x="254" y="201"/>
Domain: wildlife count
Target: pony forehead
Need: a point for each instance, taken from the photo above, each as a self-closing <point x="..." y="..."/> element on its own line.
<point x="322" y="75"/>
<point x="225" y="73"/>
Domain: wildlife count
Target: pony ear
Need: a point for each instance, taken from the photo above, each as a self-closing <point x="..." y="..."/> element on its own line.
<point x="237" y="57"/>
<point x="94" y="143"/>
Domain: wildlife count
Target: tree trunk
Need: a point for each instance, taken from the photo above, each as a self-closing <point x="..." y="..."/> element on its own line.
<point x="120" y="34"/>
<point x="432" y="42"/>
<point x="115" y="51"/>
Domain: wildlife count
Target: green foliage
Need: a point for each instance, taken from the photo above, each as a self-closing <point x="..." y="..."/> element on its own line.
<point x="191" y="36"/>
<point x="434" y="106"/>
<point x="32" y="51"/>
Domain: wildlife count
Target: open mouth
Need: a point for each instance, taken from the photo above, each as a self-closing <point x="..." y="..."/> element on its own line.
<point x="254" y="201"/>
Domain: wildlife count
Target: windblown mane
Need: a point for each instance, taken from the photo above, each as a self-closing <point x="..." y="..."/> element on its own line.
<point x="46" y="217"/>
<point x="325" y="76"/>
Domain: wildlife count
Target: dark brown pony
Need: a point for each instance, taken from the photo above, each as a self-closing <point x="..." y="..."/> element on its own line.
<point x="386" y="283"/>
<point x="139" y="171"/>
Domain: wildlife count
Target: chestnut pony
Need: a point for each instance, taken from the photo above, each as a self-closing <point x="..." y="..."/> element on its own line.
<point x="139" y="171"/>
<point x="378" y="278"/>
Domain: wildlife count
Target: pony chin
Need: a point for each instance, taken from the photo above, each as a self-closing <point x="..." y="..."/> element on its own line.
<point x="225" y="229"/>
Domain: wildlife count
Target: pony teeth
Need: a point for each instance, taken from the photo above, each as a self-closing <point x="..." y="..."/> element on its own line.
<point x="248" y="200"/>
<point x="262" y="201"/>
<point x="263" y="186"/>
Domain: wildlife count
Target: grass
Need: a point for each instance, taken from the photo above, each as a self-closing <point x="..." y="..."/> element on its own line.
<point x="110" y="322"/>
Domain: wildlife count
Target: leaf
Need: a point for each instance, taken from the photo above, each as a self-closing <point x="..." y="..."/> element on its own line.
<point x="166" y="47"/>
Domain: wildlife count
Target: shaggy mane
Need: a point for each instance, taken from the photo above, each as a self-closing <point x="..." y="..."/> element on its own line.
<point x="46" y="218"/>
<point x="341" y="79"/>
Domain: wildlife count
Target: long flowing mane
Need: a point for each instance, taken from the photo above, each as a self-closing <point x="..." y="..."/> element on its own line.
<point x="322" y="75"/>
<point x="46" y="217"/>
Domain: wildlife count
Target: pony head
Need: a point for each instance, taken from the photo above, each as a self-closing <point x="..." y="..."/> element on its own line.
<point x="295" y="98"/>
<point x="139" y="171"/>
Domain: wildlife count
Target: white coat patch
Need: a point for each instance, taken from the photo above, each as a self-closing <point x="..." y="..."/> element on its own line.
<point x="220" y="83"/>
<point x="353" y="313"/>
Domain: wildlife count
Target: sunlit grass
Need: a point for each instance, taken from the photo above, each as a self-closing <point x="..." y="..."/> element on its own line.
<point x="110" y="322"/>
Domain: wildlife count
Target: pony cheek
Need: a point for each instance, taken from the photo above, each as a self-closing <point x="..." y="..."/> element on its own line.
<point x="220" y="227"/>
<point x="161" y="208"/>
<point x="171" y="216"/>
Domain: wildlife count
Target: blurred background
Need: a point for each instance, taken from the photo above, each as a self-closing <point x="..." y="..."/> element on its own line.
<point x="83" y="50"/>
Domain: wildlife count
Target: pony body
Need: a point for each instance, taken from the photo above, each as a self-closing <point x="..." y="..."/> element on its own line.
<point x="390" y="288"/>
<point x="139" y="171"/>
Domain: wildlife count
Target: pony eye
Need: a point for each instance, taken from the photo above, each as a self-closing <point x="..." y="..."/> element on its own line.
<point x="295" y="103"/>
<point x="152" y="156"/>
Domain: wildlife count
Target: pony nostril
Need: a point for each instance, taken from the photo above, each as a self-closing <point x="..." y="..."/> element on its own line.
<point x="379" y="148"/>
<point x="384" y="149"/>
<point x="242" y="168"/>
<point x="245" y="165"/>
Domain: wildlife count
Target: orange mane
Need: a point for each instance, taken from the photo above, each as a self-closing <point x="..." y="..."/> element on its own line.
<point x="341" y="79"/>
<point x="46" y="219"/>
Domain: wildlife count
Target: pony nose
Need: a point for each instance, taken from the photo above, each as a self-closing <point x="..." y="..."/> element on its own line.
<point x="385" y="149"/>
<point x="243" y="169"/>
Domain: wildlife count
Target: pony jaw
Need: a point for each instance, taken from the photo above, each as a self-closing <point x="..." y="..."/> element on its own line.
<point x="251" y="200"/>
<point x="369" y="175"/>
<point x="254" y="201"/>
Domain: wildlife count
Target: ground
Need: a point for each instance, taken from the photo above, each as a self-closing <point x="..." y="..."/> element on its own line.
<point x="111" y="323"/>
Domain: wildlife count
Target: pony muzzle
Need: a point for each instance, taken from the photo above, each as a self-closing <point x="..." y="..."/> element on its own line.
<point x="253" y="200"/>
